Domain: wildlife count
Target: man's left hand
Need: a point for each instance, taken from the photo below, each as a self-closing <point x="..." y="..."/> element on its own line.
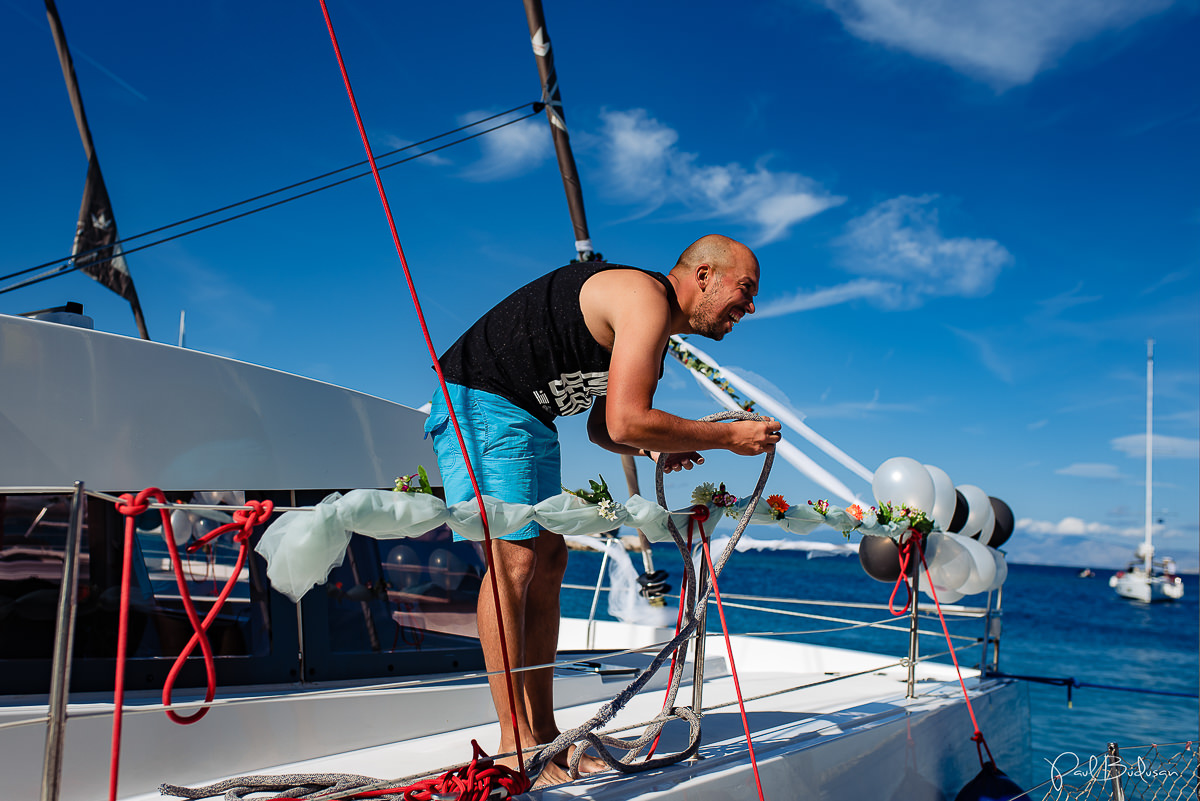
<point x="672" y="462"/>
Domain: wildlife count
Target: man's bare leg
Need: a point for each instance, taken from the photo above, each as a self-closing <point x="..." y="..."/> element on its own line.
<point x="515" y="563"/>
<point x="542" y="616"/>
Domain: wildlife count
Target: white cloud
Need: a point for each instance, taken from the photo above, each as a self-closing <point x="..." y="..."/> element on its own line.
<point x="643" y="165"/>
<point x="903" y="257"/>
<point x="862" y="288"/>
<point x="1004" y="43"/>
<point x="509" y="151"/>
<point x="1073" y="526"/>
<point x="1164" y="447"/>
<point x="1091" y="470"/>
<point x="900" y="240"/>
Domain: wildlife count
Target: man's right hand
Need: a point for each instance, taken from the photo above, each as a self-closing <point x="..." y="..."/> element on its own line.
<point x="754" y="437"/>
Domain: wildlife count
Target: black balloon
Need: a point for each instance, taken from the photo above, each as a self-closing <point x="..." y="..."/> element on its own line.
<point x="1004" y="523"/>
<point x="880" y="558"/>
<point x="961" y="512"/>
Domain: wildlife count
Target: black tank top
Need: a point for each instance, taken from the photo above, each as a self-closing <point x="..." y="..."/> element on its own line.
<point x="534" y="348"/>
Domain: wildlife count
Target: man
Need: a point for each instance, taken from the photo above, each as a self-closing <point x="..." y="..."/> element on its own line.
<point x="586" y="335"/>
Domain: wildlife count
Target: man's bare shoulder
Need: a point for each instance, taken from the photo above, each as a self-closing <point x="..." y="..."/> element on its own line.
<point x="611" y="299"/>
<point x="624" y="281"/>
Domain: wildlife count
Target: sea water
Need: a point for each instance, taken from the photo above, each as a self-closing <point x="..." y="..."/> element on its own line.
<point x="1055" y="624"/>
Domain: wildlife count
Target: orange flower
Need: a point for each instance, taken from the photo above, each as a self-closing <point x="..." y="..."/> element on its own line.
<point x="855" y="511"/>
<point x="777" y="503"/>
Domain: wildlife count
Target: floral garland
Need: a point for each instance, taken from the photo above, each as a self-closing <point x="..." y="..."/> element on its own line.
<point x="598" y="495"/>
<point x="417" y="482"/>
<point x="778" y="506"/>
<point x="706" y="494"/>
<point x="689" y="360"/>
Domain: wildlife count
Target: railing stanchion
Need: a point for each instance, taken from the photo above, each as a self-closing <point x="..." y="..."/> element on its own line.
<point x="64" y="638"/>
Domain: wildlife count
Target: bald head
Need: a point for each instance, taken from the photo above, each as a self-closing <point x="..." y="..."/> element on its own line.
<point x="715" y="250"/>
<point x="715" y="281"/>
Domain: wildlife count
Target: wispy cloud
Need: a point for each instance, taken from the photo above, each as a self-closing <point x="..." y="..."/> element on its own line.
<point x="1164" y="447"/>
<point x="1169" y="278"/>
<point x="987" y="354"/>
<point x="1004" y="43"/>
<point x="902" y="257"/>
<point x="407" y="151"/>
<point x="1074" y="526"/>
<point x="643" y="165"/>
<point x="859" y="409"/>
<point x="510" y="151"/>
<point x="859" y="289"/>
<point x="1100" y="470"/>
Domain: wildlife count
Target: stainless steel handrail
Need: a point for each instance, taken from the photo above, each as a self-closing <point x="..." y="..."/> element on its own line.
<point x="64" y="638"/>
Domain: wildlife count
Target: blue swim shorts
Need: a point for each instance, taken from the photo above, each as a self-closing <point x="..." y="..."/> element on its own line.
<point x="515" y="456"/>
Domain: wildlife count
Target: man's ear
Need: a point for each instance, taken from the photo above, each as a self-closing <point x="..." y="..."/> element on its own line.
<point x="703" y="276"/>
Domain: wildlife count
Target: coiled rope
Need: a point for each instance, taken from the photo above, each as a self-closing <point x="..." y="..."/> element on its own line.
<point x="584" y="736"/>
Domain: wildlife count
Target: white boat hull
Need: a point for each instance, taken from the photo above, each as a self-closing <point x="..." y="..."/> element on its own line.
<point x="850" y="734"/>
<point x="1137" y="586"/>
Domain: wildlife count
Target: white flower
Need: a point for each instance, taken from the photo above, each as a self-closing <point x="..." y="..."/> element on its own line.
<point x="607" y="509"/>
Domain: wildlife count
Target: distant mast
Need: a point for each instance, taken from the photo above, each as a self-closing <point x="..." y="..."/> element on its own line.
<point x="1149" y="546"/>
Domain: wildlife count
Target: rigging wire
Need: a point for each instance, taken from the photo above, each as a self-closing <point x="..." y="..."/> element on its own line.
<point x="62" y="266"/>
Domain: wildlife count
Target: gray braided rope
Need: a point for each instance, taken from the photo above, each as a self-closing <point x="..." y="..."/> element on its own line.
<point x="582" y="736"/>
<point x="292" y="785"/>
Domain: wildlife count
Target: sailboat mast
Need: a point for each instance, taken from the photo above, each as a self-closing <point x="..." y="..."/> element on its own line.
<point x="1149" y="557"/>
<point x="552" y="97"/>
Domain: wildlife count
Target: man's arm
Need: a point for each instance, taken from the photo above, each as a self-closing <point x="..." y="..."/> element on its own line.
<point x="598" y="434"/>
<point x="635" y="308"/>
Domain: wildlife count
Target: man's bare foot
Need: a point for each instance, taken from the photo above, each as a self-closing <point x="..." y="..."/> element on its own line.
<point x="588" y="765"/>
<point x="552" y="774"/>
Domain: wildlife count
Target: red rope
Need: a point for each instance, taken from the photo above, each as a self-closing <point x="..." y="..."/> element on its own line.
<point x="475" y="781"/>
<point x="244" y="522"/>
<point x="980" y="743"/>
<point x="732" y="668"/>
<point x="412" y="290"/>
<point x="907" y="548"/>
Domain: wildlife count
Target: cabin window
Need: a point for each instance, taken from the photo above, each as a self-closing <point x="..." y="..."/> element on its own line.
<point x="33" y="532"/>
<point x="407" y="595"/>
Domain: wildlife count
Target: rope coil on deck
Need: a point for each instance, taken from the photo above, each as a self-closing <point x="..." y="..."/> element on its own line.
<point x="692" y="607"/>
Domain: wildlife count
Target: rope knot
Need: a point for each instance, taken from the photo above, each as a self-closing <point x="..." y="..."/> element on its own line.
<point x="259" y="512"/>
<point x="131" y="506"/>
<point x="699" y="513"/>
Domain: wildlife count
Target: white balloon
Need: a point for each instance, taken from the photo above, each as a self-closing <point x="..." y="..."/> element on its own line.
<point x="1001" y="569"/>
<point x="980" y="510"/>
<point x="983" y="568"/>
<point x="181" y="526"/>
<point x="989" y="528"/>
<point x="944" y="499"/>
<point x="904" y="481"/>
<point x="944" y="596"/>
<point x="949" y="563"/>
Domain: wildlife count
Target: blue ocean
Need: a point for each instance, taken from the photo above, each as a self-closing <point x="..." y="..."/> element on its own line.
<point x="1054" y="625"/>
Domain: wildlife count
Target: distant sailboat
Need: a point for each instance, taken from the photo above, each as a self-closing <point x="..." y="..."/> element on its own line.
<point x="1148" y="580"/>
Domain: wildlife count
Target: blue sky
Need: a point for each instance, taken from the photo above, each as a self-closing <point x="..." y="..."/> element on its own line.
<point x="970" y="217"/>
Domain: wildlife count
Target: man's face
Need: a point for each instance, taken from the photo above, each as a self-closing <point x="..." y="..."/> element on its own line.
<point x="728" y="297"/>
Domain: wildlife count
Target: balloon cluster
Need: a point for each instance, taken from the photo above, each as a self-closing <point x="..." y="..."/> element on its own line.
<point x="969" y="526"/>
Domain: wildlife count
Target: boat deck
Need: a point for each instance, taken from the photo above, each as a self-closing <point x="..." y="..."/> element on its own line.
<point x="856" y="732"/>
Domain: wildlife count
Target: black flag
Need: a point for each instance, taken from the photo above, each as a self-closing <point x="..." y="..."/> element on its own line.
<point x="95" y="248"/>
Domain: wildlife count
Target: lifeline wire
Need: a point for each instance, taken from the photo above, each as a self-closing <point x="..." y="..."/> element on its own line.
<point x="63" y="263"/>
